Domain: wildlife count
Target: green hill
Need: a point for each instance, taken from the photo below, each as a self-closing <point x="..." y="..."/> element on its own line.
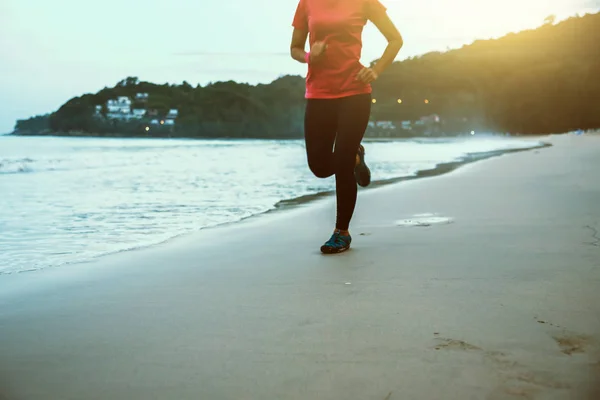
<point x="539" y="81"/>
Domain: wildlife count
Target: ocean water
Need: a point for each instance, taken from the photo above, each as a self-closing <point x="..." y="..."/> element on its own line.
<point x="68" y="200"/>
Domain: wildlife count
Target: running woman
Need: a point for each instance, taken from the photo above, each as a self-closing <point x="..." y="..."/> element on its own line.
<point x="338" y="95"/>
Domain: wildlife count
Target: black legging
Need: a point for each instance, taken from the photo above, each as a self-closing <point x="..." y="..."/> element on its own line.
<point x="341" y="121"/>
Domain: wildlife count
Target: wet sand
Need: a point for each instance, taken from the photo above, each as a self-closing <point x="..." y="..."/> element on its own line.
<point x="502" y="302"/>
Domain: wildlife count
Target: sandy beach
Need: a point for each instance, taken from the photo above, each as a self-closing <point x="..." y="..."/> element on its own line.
<point x="501" y="301"/>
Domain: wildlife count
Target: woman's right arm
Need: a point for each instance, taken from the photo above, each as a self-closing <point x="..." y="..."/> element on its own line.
<point x="298" y="44"/>
<point x="300" y="33"/>
<point x="315" y="54"/>
<point x="299" y="36"/>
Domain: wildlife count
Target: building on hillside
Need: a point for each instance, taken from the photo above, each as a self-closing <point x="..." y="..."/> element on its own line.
<point x="173" y="113"/>
<point x="380" y="129"/>
<point x="381" y="124"/>
<point x="430" y="124"/>
<point x="119" y="108"/>
<point x="139" y="113"/>
<point x="141" y="97"/>
<point x="385" y="125"/>
<point x="428" y="119"/>
<point x="124" y="101"/>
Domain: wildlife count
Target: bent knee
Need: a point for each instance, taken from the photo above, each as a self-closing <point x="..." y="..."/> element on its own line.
<point x="320" y="171"/>
<point x="320" y="167"/>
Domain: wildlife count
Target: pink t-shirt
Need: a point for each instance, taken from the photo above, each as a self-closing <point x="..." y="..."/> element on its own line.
<point x="339" y="23"/>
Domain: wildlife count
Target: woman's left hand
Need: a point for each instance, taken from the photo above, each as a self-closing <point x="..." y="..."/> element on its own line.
<point x="367" y="75"/>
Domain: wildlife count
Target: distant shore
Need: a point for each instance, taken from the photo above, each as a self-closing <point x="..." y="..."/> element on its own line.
<point x="257" y="137"/>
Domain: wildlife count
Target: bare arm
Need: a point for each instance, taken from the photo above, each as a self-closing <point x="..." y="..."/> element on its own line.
<point x="385" y="25"/>
<point x="297" y="47"/>
<point x="298" y="44"/>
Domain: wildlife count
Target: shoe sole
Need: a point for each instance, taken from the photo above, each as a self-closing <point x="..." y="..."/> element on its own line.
<point x="362" y="173"/>
<point x="334" y="251"/>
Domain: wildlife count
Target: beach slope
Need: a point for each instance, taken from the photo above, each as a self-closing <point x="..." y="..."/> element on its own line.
<point x="501" y="301"/>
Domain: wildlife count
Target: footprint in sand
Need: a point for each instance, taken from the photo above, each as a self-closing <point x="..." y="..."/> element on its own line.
<point x="517" y="379"/>
<point x="572" y="343"/>
<point x="528" y="386"/>
<point x="568" y="343"/>
<point x="453" y="344"/>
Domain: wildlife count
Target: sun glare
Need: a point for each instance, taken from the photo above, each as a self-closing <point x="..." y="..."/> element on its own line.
<point x="468" y="20"/>
<point x="511" y="15"/>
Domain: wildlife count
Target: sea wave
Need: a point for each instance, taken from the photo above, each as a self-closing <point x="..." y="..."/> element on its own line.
<point x="16" y="166"/>
<point x="10" y="166"/>
<point x="84" y="199"/>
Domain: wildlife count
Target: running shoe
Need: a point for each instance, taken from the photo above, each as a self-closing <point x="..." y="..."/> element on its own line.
<point x="336" y="244"/>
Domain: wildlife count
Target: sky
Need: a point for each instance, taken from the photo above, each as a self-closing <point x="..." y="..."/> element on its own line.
<point x="53" y="50"/>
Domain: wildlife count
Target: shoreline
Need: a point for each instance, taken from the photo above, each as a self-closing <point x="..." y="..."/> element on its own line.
<point x="366" y="138"/>
<point x="305" y="200"/>
<point x="500" y="304"/>
<point x="439" y="169"/>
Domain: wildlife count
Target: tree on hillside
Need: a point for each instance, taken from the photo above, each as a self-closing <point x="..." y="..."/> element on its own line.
<point x="129" y="81"/>
<point x="549" y="20"/>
